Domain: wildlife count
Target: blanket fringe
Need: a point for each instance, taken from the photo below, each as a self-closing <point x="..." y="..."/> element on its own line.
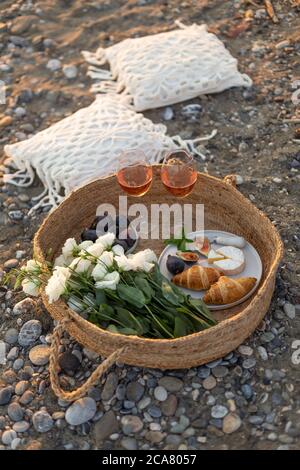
<point x="191" y="144"/>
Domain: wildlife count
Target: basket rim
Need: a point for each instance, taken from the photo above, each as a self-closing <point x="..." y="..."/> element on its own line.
<point x="129" y="339"/>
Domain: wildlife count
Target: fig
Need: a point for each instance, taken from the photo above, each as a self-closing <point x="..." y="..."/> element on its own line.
<point x="203" y="245"/>
<point x="128" y="237"/>
<point x="188" y="256"/>
<point x="175" y="265"/>
<point x="122" y="243"/>
<point x="89" y="234"/>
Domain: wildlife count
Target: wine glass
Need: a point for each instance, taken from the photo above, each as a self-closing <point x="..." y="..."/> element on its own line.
<point x="178" y="173"/>
<point x="134" y="174"/>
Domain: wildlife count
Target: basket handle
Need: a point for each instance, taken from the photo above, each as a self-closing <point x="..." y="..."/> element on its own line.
<point x="54" y="367"/>
<point x="230" y="179"/>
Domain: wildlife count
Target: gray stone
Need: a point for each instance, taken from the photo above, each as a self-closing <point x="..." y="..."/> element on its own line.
<point x="23" y="307"/>
<point x="231" y="423"/>
<point x="81" y="411"/>
<point x="203" y="372"/>
<point x="15" y="411"/>
<point x="8" y="436"/>
<point x="144" y="402"/>
<point x="168" y="114"/>
<point x="106" y="426"/>
<point x="262" y="353"/>
<point x="18" y="364"/>
<point x="129" y="443"/>
<point x="290" y="310"/>
<point x="134" y="391"/>
<point x="131" y="424"/>
<point x="160" y="393"/>
<point x="267" y="337"/>
<point x="220" y="371"/>
<point x="42" y="421"/>
<point x="53" y="65"/>
<point x="219" y="411"/>
<point x="70" y="71"/>
<point x="15" y="443"/>
<point x="39" y="355"/>
<point x="20" y="111"/>
<point x="30" y="332"/>
<point x="109" y="386"/>
<point x="26" y="398"/>
<point x="179" y="427"/>
<point x="213" y="364"/>
<point x="249" y="363"/>
<point x="5" y="395"/>
<point x="255" y="419"/>
<point x="21" y="387"/>
<point x="10" y="264"/>
<point x="13" y="353"/>
<point x="171" y="384"/>
<point x="154" y="411"/>
<point x="11" y="336"/>
<point x="245" y="350"/>
<point x="247" y="391"/>
<point x="21" y="426"/>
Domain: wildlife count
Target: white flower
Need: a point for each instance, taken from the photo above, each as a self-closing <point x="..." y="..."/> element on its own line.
<point x="31" y="266"/>
<point x="106" y="240"/>
<point x="84" y="245"/>
<point x="57" y="283"/>
<point x="62" y="261"/>
<point x="69" y="247"/>
<point x="80" y="265"/>
<point x="99" y="271"/>
<point x="124" y="263"/>
<point x="95" y="250"/>
<point x="109" y="281"/>
<point x="118" y="250"/>
<point x="30" y="287"/>
<point x="107" y="258"/>
<point x="143" y="260"/>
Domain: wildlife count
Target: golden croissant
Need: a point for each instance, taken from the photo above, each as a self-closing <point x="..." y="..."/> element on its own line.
<point x="197" y="278"/>
<point x="228" y="290"/>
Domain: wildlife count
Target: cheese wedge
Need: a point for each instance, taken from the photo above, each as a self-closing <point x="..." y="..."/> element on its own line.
<point x="214" y="256"/>
<point x="233" y="262"/>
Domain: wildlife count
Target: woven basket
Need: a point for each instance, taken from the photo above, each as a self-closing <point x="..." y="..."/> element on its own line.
<point x="225" y="209"/>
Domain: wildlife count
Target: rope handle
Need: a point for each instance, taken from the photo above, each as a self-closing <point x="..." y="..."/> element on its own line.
<point x="230" y="179"/>
<point x="91" y="381"/>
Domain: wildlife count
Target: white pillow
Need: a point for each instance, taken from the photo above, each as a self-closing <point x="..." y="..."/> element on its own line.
<point x="166" y="68"/>
<point x="85" y="146"/>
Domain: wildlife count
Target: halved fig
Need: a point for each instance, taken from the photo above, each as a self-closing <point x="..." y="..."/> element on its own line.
<point x="188" y="256"/>
<point x="203" y="246"/>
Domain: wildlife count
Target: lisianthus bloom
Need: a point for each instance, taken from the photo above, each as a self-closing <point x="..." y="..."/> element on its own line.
<point x="32" y="266"/>
<point x="124" y="263"/>
<point x="107" y="259"/>
<point x="30" y="287"/>
<point x="143" y="260"/>
<point x="99" y="271"/>
<point x="118" y="250"/>
<point x="109" y="281"/>
<point x="106" y="240"/>
<point x="70" y="248"/>
<point x="80" y="265"/>
<point x="95" y="250"/>
<point x="57" y="283"/>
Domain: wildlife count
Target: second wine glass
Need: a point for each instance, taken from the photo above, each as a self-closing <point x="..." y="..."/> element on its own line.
<point x="178" y="173"/>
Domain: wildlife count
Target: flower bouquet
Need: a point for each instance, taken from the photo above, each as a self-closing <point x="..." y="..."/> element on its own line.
<point x="123" y="294"/>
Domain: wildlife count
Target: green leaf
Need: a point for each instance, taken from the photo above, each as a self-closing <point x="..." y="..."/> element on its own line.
<point x="180" y="327"/>
<point x="145" y="287"/>
<point x="112" y="328"/>
<point x="128" y="331"/>
<point x="100" y="297"/>
<point x="169" y="293"/>
<point x="132" y="295"/>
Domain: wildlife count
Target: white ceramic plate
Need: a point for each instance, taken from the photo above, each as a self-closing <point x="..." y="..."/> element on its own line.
<point x="253" y="265"/>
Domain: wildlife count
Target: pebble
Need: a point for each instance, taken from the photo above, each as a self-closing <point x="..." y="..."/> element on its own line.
<point x="70" y="71"/>
<point x="203" y="372"/>
<point x="5" y="395"/>
<point x="171" y="384"/>
<point x="131" y="424"/>
<point x="8" y="436"/>
<point x="129" y="443"/>
<point x="220" y="371"/>
<point x="262" y="353"/>
<point x="290" y="310"/>
<point x="13" y="353"/>
<point x="15" y="411"/>
<point x="267" y="337"/>
<point x="154" y="411"/>
<point x="249" y="363"/>
<point x="81" y="411"/>
<point x="209" y="383"/>
<point x="18" y="364"/>
<point x="106" y="426"/>
<point x="39" y="355"/>
<point x="53" y="65"/>
<point x="25" y="306"/>
<point x="21" y="387"/>
<point x="20" y="112"/>
<point x="255" y="419"/>
<point x="68" y="362"/>
<point x="11" y="336"/>
<point x="247" y="391"/>
<point x="30" y="332"/>
<point x="245" y="350"/>
<point x="6" y="121"/>
<point x="169" y="406"/>
<point x="134" y="391"/>
<point x="26" y="398"/>
<point x="144" y="402"/>
<point x="219" y="411"/>
<point x="42" y="421"/>
<point x="178" y="428"/>
<point x="168" y="114"/>
<point x="10" y="264"/>
<point x="15" y="443"/>
<point x="231" y="423"/>
<point x="191" y="111"/>
<point x="160" y="393"/>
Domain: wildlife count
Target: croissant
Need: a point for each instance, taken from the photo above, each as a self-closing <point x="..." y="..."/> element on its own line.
<point x="228" y="290"/>
<point x="197" y="278"/>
